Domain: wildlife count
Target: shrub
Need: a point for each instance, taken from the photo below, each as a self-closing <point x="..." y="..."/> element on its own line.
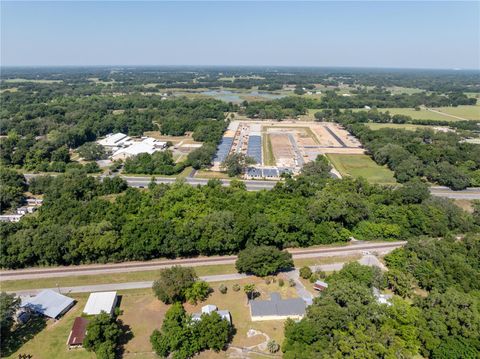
<point x="268" y="281"/>
<point x="273" y="346"/>
<point x="305" y="272"/>
<point x="236" y="287"/>
<point x="223" y="288"/>
<point x="198" y="292"/>
<point x="281" y="282"/>
<point x="291" y="283"/>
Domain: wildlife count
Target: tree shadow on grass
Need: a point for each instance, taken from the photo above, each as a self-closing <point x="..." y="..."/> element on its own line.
<point x="22" y="334"/>
<point x="126" y="336"/>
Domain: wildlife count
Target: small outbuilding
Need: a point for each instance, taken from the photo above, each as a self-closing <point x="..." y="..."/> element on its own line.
<point x="100" y="302"/>
<point x="78" y="332"/>
<point x="48" y="303"/>
<point x="277" y="308"/>
<point x="320" y="285"/>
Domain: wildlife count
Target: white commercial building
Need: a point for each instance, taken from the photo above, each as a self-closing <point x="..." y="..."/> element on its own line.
<point x="100" y="302"/>
<point x="115" y="140"/>
<point x="122" y="147"/>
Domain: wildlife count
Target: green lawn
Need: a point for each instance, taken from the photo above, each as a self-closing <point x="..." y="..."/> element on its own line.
<point x="361" y="166"/>
<point x="268" y="157"/>
<point x="467" y="112"/>
<point x="406" y="126"/>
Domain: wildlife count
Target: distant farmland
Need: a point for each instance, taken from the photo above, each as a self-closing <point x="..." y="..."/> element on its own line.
<point x="440" y="114"/>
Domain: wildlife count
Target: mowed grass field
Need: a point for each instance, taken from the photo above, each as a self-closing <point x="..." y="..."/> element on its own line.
<point x="403" y="126"/>
<point x="442" y="114"/>
<point x="362" y="166"/>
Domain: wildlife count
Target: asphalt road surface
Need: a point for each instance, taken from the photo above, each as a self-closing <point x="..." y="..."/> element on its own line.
<point x="94" y="269"/>
<point x="301" y="290"/>
<point x="256" y="185"/>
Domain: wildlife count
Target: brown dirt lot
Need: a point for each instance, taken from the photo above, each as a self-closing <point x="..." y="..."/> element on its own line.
<point x="282" y="150"/>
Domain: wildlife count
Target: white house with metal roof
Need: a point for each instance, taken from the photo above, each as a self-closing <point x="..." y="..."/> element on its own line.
<point x="277" y="308"/>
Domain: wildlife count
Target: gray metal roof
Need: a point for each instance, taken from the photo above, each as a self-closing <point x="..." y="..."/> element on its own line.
<point x="277" y="306"/>
<point x="48" y="303"/>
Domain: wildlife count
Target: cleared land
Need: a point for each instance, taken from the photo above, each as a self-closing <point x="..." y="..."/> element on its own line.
<point x="402" y="126"/>
<point x="467" y="112"/>
<point x="361" y="166"/>
<point x="441" y="114"/>
<point x="32" y="80"/>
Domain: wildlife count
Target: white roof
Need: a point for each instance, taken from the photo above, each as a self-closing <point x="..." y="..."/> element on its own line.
<point x="209" y="308"/>
<point x="113" y="139"/>
<point x="148" y="145"/>
<point x="48" y="303"/>
<point x="101" y="301"/>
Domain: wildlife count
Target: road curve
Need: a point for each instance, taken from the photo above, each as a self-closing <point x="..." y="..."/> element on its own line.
<point x="95" y="269"/>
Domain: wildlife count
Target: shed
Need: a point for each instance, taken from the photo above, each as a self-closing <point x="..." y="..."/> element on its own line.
<point x="320" y="285"/>
<point x="78" y="332"/>
<point x="277" y="308"/>
<point x="100" y="302"/>
<point x="48" y="303"/>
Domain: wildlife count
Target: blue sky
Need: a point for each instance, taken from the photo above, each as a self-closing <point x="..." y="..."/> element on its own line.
<point x="361" y="34"/>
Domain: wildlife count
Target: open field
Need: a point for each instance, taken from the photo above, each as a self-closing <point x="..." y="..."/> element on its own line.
<point x="399" y="126"/>
<point x="361" y="166"/>
<point x="32" y="80"/>
<point x="467" y="112"/>
<point x="211" y="174"/>
<point x="442" y="114"/>
<point x="397" y="90"/>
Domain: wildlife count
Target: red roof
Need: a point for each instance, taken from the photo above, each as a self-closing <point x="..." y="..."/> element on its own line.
<point x="79" y="329"/>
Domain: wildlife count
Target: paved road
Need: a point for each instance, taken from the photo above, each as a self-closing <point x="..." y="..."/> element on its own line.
<point x="124" y="286"/>
<point x="256" y="185"/>
<point x="469" y="193"/>
<point x="94" y="269"/>
<point x="294" y="274"/>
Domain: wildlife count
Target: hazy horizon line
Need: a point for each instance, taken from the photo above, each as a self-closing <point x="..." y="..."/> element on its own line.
<point x="245" y="66"/>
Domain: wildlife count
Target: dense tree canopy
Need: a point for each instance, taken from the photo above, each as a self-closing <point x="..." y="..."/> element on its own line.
<point x="263" y="261"/>
<point x="77" y="224"/>
<point x="103" y="335"/>
<point x="12" y="187"/>
<point x="175" y="282"/>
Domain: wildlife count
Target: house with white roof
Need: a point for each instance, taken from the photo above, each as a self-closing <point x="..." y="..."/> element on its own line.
<point x="100" y="302"/>
<point x="210" y="308"/>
